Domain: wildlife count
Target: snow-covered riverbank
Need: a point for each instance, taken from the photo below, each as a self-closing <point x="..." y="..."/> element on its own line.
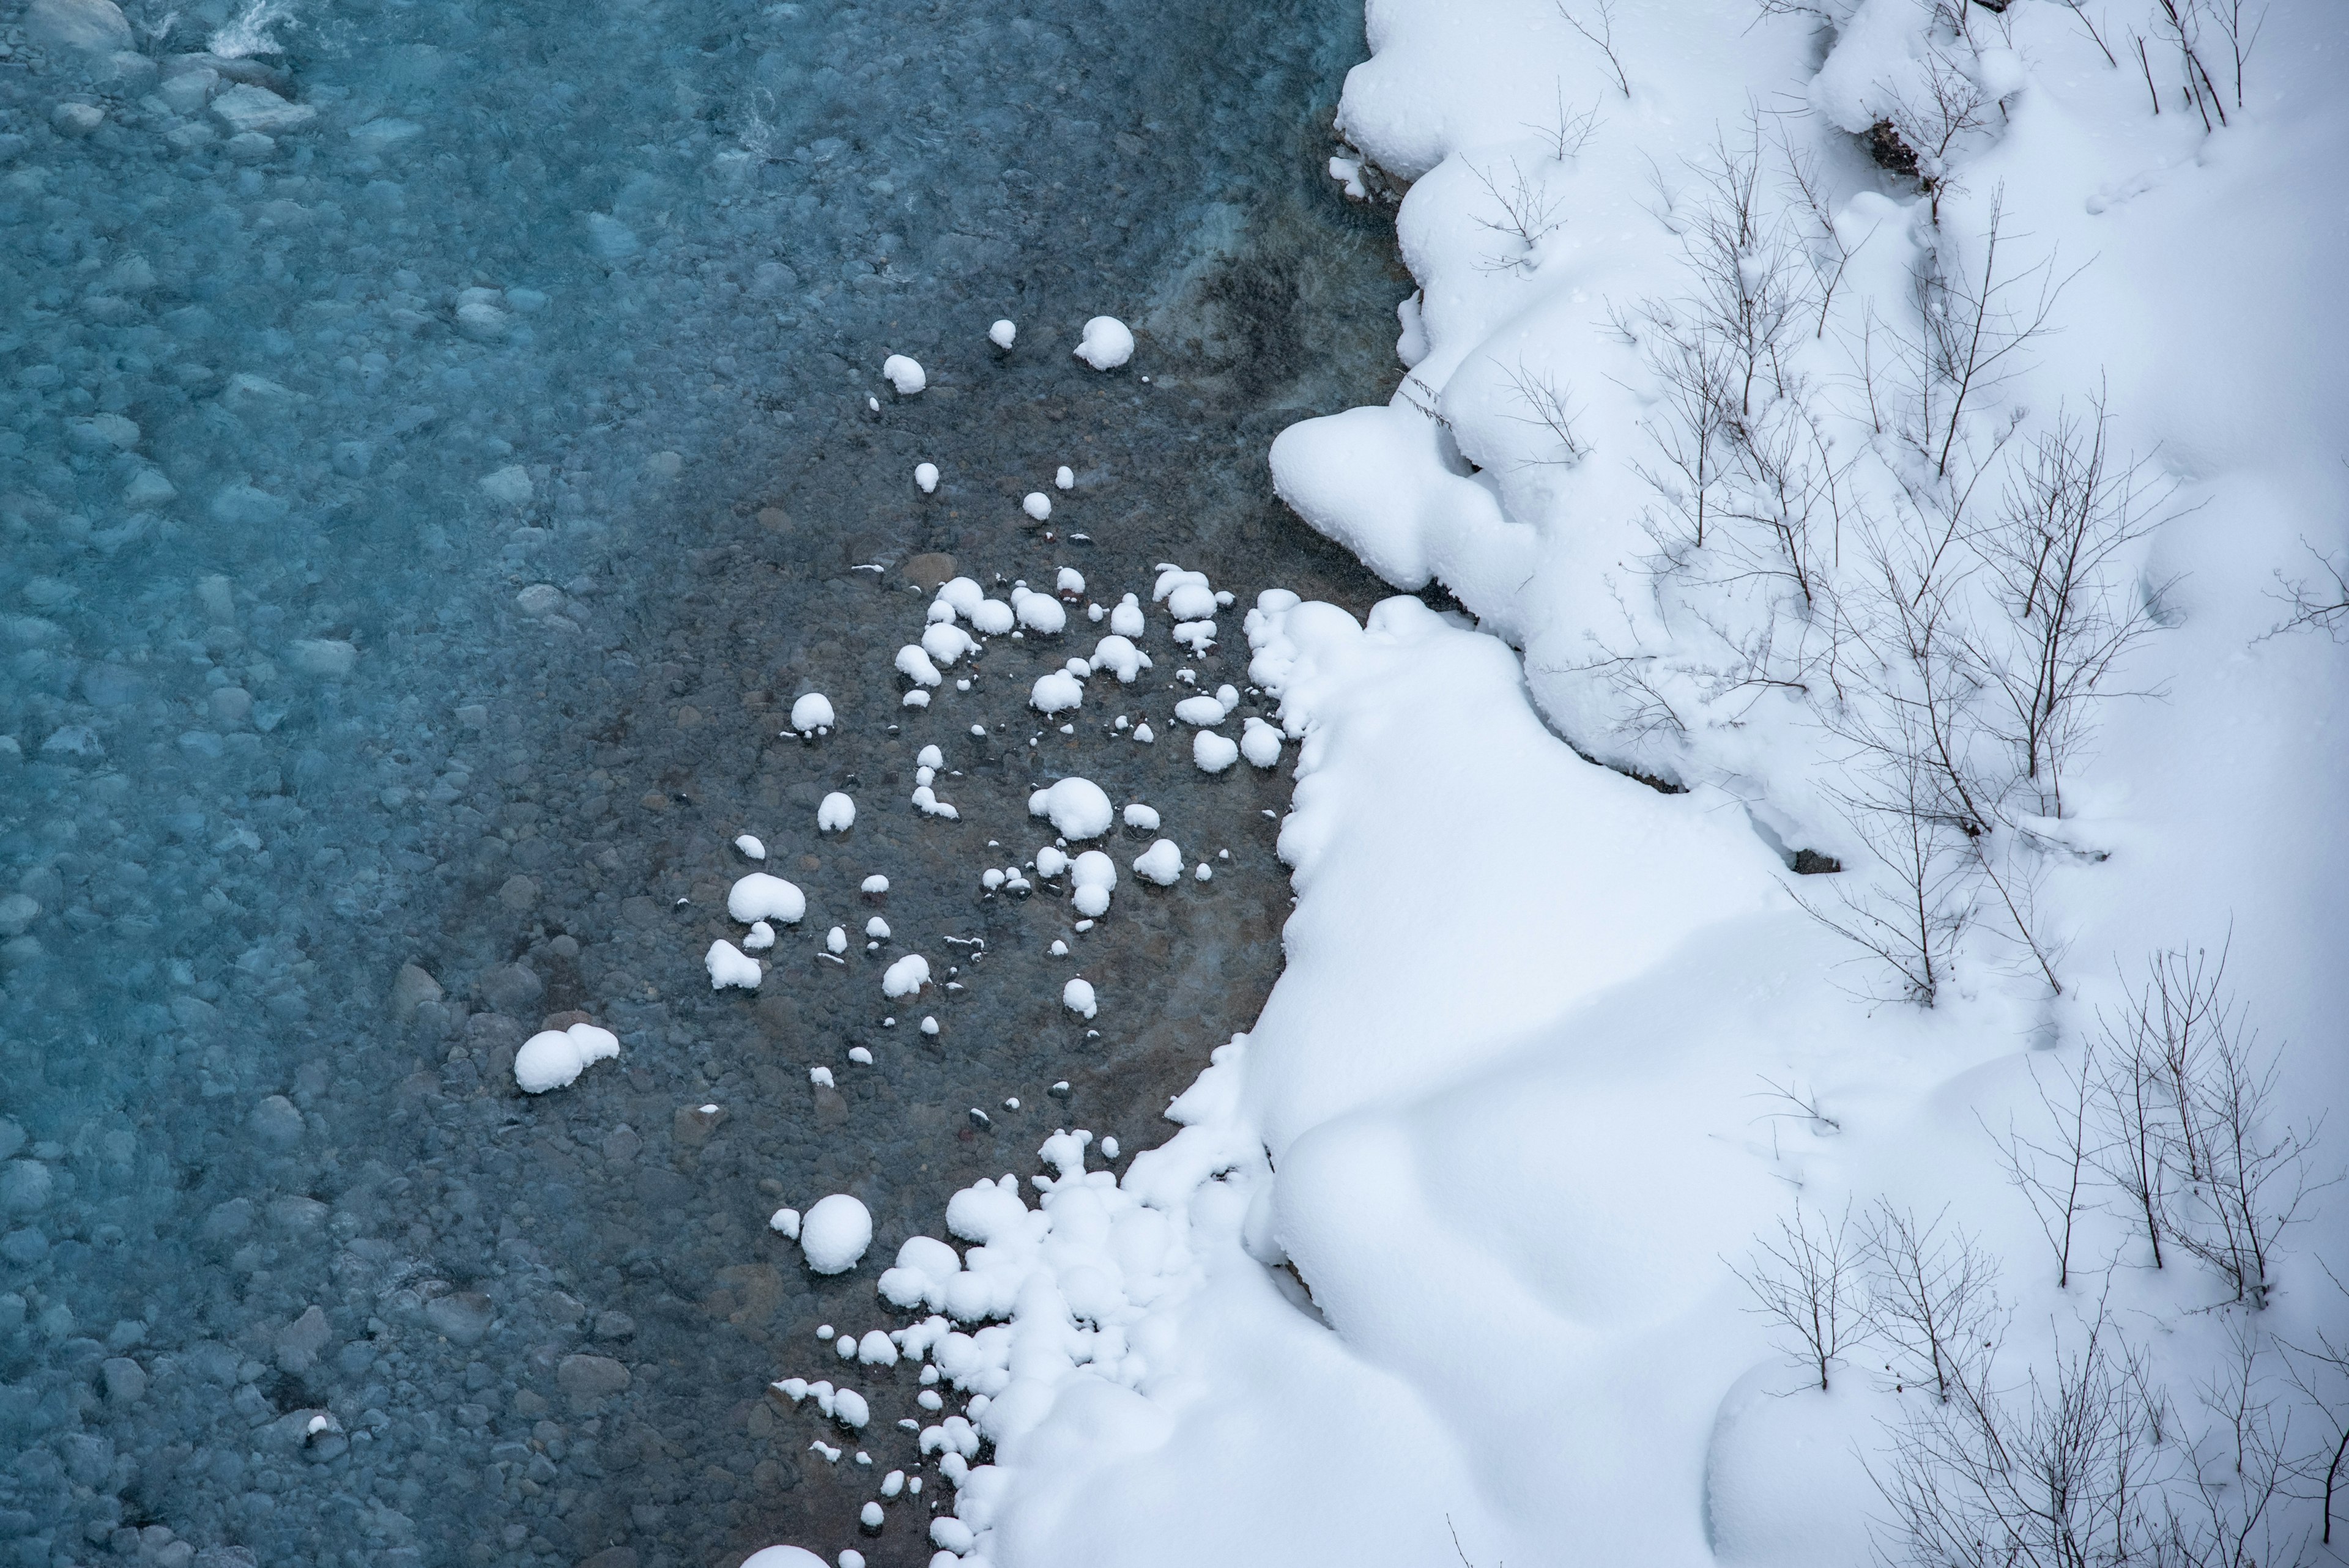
<point x="1898" y="430"/>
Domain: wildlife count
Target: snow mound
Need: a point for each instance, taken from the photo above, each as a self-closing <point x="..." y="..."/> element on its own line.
<point x="763" y="896"/>
<point x="554" y="1059"/>
<point x="1056" y="691"/>
<point x="1108" y="343"/>
<point x="1214" y="753"/>
<point x="834" y="1233"/>
<point x="1003" y="334"/>
<point x="1260" y="743"/>
<point x="811" y="712"/>
<point x="906" y="977"/>
<point x="1093" y="875"/>
<point x="925" y="477"/>
<point x="1038" y="613"/>
<point x="1077" y="807"/>
<point x="750" y="847"/>
<point x="1162" y="863"/>
<point x="914" y="663"/>
<point x="783" y="1557"/>
<point x="1119" y="655"/>
<point x="837" y="814"/>
<point x="1077" y="996"/>
<point x="1202" y="711"/>
<point x="729" y="965"/>
<point x="944" y="642"/>
<point x="904" y="374"/>
<point x="1037" y="505"/>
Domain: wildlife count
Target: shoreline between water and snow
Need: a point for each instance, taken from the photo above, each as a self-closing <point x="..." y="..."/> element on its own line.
<point x="1494" y="1236"/>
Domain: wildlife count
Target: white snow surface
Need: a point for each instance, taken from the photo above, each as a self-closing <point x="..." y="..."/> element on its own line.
<point x="837" y="813"/>
<point x="811" y="711"/>
<point x="904" y="374"/>
<point x="1003" y="334"/>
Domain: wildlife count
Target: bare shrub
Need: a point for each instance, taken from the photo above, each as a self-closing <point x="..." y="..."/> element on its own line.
<point x="1549" y="406"/>
<point x="2052" y="552"/>
<point x="2052" y="1175"/>
<point x="1567" y="133"/>
<point x="1524" y="211"/>
<point x="1807" y="1283"/>
<point x="2197" y="1142"/>
<point x="2060" y="1472"/>
<point x="1932" y="1295"/>
<point x="1910" y="916"/>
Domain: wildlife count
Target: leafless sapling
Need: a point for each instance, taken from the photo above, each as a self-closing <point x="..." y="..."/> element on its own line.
<point x="1567" y="133"/>
<point x="1548" y="406"/>
<point x="2245" y="1175"/>
<point x="1807" y="1283"/>
<point x="1932" y="1295"/>
<point x="1524" y="213"/>
<point x="1910" y="917"/>
<point x="1975" y="325"/>
<point x="2052" y="1175"/>
<point x="2052" y="553"/>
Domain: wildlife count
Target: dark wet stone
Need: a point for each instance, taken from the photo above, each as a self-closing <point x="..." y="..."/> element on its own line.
<point x="585" y="1379"/>
<point x="275" y="1122"/>
<point x="511" y="988"/>
<point x="463" y="1316"/>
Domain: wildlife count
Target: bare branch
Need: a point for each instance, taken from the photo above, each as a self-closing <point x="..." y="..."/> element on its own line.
<point x="1601" y="38"/>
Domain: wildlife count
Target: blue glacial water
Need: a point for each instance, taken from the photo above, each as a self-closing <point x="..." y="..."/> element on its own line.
<point x="434" y="451"/>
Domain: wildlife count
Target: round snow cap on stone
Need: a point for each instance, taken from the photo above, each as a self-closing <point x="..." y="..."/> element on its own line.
<point x="1056" y="691"/>
<point x="905" y="374"/>
<point x="1108" y="343"/>
<point x="549" y="1059"/>
<point x="1213" y="752"/>
<point x="1003" y="334"/>
<point x="760" y="896"/>
<point x="834" y="1233"/>
<point x="837" y="814"/>
<point x="1077" y="807"/>
<point x="783" y="1557"/>
<point x="1077" y="996"/>
<point x="926" y="476"/>
<point x="1037" y="504"/>
<point x="813" y="711"/>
